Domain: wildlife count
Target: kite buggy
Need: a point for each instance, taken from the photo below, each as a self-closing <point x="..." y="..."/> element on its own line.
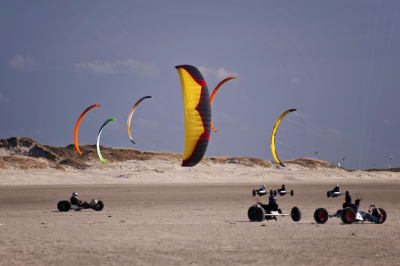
<point x="75" y="204"/>
<point x="335" y="192"/>
<point x="351" y="213"/>
<point x="260" y="212"/>
<point x="281" y="191"/>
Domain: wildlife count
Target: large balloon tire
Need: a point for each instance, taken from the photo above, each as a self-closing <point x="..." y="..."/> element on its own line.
<point x="256" y="213"/>
<point x="295" y="213"/>
<point x="99" y="206"/>
<point x="328" y="194"/>
<point x="348" y="216"/>
<point x="292" y="193"/>
<point x="64" y="206"/>
<point x="321" y="215"/>
<point x="254" y="192"/>
<point x="381" y="217"/>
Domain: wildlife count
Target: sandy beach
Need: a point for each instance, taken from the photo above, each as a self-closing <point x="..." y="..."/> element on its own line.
<point x="159" y="213"/>
<point x="194" y="224"/>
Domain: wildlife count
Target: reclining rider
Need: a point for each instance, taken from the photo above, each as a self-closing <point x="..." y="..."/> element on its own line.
<point x="336" y="189"/>
<point x="282" y="189"/>
<point x="261" y="190"/>
<point x="347" y="202"/>
<point x="75" y="200"/>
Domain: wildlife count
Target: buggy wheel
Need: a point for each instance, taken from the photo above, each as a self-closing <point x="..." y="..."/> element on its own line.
<point x="328" y="194"/>
<point x="381" y="215"/>
<point x="348" y="216"/>
<point x="254" y="192"/>
<point x="321" y="215"/>
<point x="64" y="206"/>
<point x="256" y="213"/>
<point x="295" y="214"/>
<point x="291" y="193"/>
<point x="99" y="206"/>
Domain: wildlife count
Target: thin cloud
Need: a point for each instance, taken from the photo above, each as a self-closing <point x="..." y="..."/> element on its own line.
<point x="4" y="99"/>
<point x="117" y="66"/>
<point x="216" y="73"/>
<point x="22" y="63"/>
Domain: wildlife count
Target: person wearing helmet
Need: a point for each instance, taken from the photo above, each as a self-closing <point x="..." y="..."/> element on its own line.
<point x="261" y="190"/>
<point x="336" y="189"/>
<point x="75" y="200"/>
<point x="272" y="205"/>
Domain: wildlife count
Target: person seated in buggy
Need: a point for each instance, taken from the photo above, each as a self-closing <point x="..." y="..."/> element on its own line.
<point x="336" y="189"/>
<point x="272" y="205"/>
<point x="282" y="189"/>
<point x="260" y="192"/>
<point x="75" y="200"/>
<point x="76" y="203"/>
<point x="347" y="201"/>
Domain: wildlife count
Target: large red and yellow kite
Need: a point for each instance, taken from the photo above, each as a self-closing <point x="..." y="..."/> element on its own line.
<point x="197" y="112"/>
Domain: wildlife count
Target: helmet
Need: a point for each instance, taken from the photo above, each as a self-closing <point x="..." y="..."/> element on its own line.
<point x="74" y="194"/>
<point x="337" y="185"/>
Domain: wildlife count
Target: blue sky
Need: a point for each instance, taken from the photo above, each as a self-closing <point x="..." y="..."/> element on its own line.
<point x="337" y="62"/>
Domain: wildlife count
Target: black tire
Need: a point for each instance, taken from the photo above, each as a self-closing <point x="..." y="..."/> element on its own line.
<point x="64" y="206"/>
<point x="60" y="206"/>
<point x="99" y="206"/>
<point x="321" y="215"/>
<point x="275" y="193"/>
<point x="381" y="215"/>
<point x="348" y="216"/>
<point x="254" y="192"/>
<point x="292" y="193"/>
<point x="256" y="213"/>
<point x="295" y="213"/>
<point x="328" y="194"/>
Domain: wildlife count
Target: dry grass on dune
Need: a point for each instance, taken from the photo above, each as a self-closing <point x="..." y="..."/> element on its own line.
<point x="24" y="162"/>
<point x="312" y="163"/>
<point x="2" y="164"/>
<point x="247" y="161"/>
<point x="25" y="153"/>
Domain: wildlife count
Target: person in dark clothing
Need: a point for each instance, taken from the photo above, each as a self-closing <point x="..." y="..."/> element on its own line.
<point x="347" y="202"/>
<point x="336" y="189"/>
<point x="272" y="205"/>
<point x="356" y="205"/>
<point x="75" y="200"/>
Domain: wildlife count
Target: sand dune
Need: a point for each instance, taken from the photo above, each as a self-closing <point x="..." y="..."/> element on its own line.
<point x="24" y="161"/>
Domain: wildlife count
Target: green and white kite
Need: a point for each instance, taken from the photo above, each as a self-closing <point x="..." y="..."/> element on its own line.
<point x="98" y="138"/>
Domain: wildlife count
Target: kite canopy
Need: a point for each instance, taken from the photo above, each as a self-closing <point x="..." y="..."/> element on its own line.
<point x="128" y="125"/>
<point x="273" y="150"/>
<point x="98" y="138"/>
<point x="213" y="95"/>
<point x="77" y="126"/>
<point x="197" y="112"/>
